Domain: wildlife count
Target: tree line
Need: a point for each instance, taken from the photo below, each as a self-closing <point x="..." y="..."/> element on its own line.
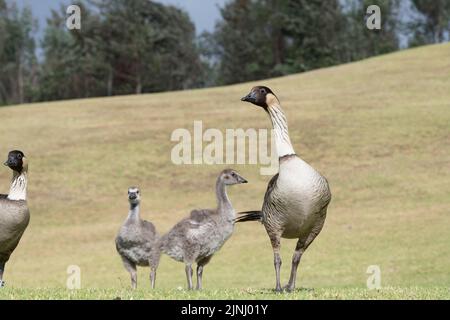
<point x="141" y="46"/>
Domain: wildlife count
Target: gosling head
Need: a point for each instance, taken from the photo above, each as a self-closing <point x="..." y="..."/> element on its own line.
<point x="261" y="96"/>
<point x="230" y="177"/>
<point x="17" y="161"/>
<point x="134" y="195"/>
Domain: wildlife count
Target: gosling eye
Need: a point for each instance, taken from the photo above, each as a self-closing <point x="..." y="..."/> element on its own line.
<point x="263" y="91"/>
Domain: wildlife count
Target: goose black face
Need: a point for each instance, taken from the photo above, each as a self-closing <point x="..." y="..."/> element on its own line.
<point x="258" y="96"/>
<point x="15" y="160"/>
<point x="134" y="195"/>
<point x="231" y="177"/>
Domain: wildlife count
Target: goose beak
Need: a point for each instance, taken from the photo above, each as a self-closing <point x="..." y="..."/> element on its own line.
<point x="251" y="97"/>
<point x="242" y="180"/>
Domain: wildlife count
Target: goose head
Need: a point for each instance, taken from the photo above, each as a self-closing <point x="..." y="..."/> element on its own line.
<point x="231" y="177"/>
<point x="134" y="195"/>
<point x="17" y="161"/>
<point x="260" y="96"/>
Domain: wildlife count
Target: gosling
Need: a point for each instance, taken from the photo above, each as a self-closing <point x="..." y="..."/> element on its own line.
<point x="197" y="238"/>
<point x="137" y="241"/>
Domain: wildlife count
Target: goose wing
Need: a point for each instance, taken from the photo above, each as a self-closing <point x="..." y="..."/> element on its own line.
<point x="13" y="222"/>
<point x="198" y="217"/>
<point x="149" y="229"/>
<point x="270" y="187"/>
<point x="269" y="196"/>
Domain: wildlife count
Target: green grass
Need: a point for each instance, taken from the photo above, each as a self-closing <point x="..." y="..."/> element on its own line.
<point x="389" y="293"/>
<point x="379" y="130"/>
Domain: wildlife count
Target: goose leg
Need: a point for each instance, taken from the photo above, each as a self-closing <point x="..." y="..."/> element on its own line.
<point x="131" y="268"/>
<point x="199" y="277"/>
<point x="189" y="273"/>
<point x="2" y="269"/>
<point x="154" y="262"/>
<point x="299" y="249"/>
<point x="200" y="266"/>
<point x="153" y="277"/>
<point x="276" y="245"/>
<point x="302" y="245"/>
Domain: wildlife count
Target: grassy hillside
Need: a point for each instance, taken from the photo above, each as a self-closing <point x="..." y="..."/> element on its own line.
<point x="379" y="130"/>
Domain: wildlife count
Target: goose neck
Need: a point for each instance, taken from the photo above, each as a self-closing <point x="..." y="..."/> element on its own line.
<point x="134" y="211"/>
<point x="279" y="122"/>
<point x="19" y="184"/>
<point x="223" y="201"/>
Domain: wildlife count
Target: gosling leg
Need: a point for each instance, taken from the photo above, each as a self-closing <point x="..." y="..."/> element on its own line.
<point x="131" y="268"/>
<point x="2" y="269"/>
<point x="200" y="266"/>
<point x="154" y="263"/>
<point x="153" y="277"/>
<point x="199" y="277"/>
<point x="189" y="273"/>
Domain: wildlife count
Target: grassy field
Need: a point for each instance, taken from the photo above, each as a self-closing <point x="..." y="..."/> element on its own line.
<point x="379" y="130"/>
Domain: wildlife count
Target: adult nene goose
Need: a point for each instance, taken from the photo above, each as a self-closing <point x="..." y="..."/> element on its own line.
<point x="296" y="200"/>
<point x="14" y="213"/>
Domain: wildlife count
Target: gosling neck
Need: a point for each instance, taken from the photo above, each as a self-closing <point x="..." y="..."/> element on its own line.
<point x="134" y="212"/>
<point x="282" y="141"/>
<point x="19" y="184"/>
<point x="223" y="202"/>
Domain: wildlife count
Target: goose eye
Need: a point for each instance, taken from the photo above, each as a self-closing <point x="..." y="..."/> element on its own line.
<point x="263" y="91"/>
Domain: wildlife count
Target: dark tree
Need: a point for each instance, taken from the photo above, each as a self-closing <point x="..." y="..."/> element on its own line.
<point x="433" y="25"/>
<point x="18" y="65"/>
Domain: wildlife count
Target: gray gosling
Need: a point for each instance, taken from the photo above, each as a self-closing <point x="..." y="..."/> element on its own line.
<point x="296" y="200"/>
<point x="14" y="213"/>
<point x="198" y="237"/>
<point x="137" y="241"/>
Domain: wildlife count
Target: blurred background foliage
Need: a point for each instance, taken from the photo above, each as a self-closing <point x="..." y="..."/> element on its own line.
<point x="141" y="46"/>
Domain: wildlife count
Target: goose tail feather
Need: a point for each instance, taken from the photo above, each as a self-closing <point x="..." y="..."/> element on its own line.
<point x="249" y="216"/>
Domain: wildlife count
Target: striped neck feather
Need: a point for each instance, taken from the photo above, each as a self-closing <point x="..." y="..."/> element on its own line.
<point x="279" y="123"/>
<point x="18" y="189"/>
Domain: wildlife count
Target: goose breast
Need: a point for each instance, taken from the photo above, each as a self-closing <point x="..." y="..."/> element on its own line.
<point x="14" y="219"/>
<point x="297" y="198"/>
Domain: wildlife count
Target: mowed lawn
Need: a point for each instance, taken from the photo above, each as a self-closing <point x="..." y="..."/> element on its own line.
<point x="378" y="129"/>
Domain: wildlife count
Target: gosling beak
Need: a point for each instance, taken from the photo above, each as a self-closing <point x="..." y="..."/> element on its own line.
<point x="251" y="97"/>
